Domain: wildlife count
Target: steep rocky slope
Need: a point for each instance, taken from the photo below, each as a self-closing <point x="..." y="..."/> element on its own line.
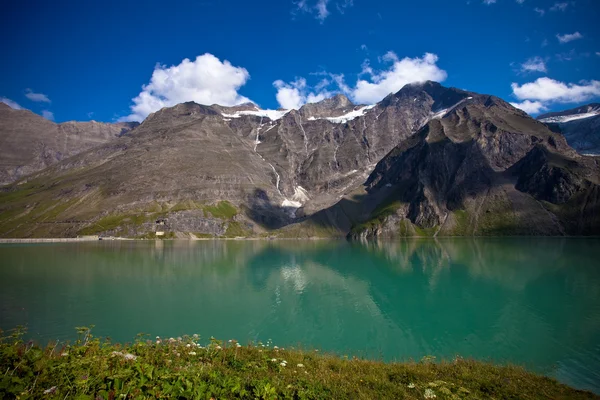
<point x="580" y="126"/>
<point x="484" y="168"/>
<point x="30" y="143"/>
<point x="271" y="167"/>
<point x="435" y="160"/>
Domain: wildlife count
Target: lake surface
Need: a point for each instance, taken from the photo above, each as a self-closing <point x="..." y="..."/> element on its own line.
<point x="535" y="302"/>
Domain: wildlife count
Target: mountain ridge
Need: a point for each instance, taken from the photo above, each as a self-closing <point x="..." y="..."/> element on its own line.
<point x="240" y="171"/>
<point x="30" y="143"/>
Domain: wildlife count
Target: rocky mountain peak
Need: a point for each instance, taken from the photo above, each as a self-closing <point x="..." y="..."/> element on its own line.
<point x="248" y="106"/>
<point x="327" y="108"/>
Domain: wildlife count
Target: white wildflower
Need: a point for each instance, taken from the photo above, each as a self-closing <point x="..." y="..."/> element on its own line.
<point x="195" y="336"/>
<point x="64" y="354"/>
<point x="411" y="385"/>
<point x="275" y="347"/>
<point x="238" y="345"/>
<point x="218" y="347"/>
<point x="50" y="391"/>
<point x="188" y="345"/>
<point x="192" y="353"/>
<point x="283" y="364"/>
<point x="300" y="365"/>
<point x="429" y="394"/>
<point x="273" y="360"/>
<point x="129" y="356"/>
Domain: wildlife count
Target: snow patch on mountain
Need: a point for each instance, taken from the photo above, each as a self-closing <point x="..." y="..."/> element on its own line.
<point x="442" y="113"/>
<point x="342" y="119"/>
<point x="572" y="117"/>
<point x="273" y="115"/>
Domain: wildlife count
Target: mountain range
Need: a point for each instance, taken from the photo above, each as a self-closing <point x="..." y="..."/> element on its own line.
<point x="425" y="161"/>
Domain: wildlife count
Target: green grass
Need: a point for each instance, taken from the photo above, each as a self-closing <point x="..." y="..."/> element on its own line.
<point x="462" y="222"/>
<point x="425" y="232"/>
<point x="236" y="229"/>
<point x="499" y="220"/>
<point x="184" y="369"/>
<point x="201" y="235"/>
<point x="223" y="210"/>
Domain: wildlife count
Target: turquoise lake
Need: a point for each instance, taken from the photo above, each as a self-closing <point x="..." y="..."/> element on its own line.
<point x="530" y="301"/>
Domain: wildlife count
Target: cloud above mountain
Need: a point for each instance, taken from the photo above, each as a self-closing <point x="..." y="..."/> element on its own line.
<point x="10" y="103"/>
<point x="295" y="94"/>
<point x="206" y="80"/>
<point x="37" y="97"/>
<point x="401" y="72"/>
<point x="538" y="95"/>
<point x="371" y="86"/>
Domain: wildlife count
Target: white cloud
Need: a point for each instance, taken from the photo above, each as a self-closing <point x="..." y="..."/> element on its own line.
<point x="341" y="7"/>
<point x="520" y="1"/>
<point x="559" y="7"/>
<point x="568" y="37"/>
<point x="550" y="90"/>
<point x="534" y="64"/>
<point x="598" y="53"/>
<point x="322" y="11"/>
<point x="38" y="97"/>
<point x="295" y="94"/>
<point x="545" y="43"/>
<point x="10" y="103"/>
<point x="319" y="9"/>
<point x="540" y="11"/>
<point x="488" y="2"/>
<point x="206" y="80"/>
<point x="406" y="70"/>
<point x="48" y="115"/>
<point x="366" y="90"/>
<point x="530" y="107"/>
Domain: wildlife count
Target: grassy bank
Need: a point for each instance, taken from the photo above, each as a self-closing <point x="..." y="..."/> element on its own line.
<point x="182" y="368"/>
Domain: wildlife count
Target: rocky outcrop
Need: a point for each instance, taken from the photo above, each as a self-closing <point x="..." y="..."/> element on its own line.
<point x="30" y="143"/>
<point x="483" y="169"/>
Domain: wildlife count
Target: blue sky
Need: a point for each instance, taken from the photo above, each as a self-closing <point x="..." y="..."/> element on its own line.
<point x="82" y="60"/>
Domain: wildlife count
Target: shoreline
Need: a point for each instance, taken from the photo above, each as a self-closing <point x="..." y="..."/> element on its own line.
<point x="197" y="239"/>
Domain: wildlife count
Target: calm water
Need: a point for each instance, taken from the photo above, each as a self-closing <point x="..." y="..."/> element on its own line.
<point x="531" y="301"/>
